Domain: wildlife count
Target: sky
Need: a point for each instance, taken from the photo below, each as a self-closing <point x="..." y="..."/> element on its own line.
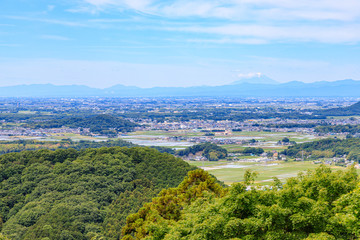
<point x="147" y="43"/>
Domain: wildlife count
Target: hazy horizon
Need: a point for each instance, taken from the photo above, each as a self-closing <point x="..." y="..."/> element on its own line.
<point x="244" y="80"/>
<point x="152" y="43"/>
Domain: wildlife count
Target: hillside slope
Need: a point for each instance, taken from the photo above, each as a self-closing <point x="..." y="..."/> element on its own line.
<point x="344" y="111"/>
<point x="69" y="194"/>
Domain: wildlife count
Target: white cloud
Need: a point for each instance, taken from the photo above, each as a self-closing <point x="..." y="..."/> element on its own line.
<point x="55" y="37"/>
<point x="50" y="7"/>
<point x="138" y="5"/>
<point x="48" y="20"/>
<point x="196" y="8"/>
<point x="346" y="10"/>
<point x="265" y="33"/>
<point x="99" y="2"/>
<point x="249" y="21"/>
<point x="242" y="21"/>
<point x="229" y="41"/>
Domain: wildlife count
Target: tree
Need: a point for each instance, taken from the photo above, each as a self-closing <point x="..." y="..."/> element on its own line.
<point x="155" y="218"/>
<point x="69" y="194"/>
<point x="318" y="204"/>
<point x="2" y="237"/>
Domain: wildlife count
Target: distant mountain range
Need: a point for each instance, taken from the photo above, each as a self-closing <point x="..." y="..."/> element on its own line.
<point x="248" y="88"/>
<point x="256" y="79"/>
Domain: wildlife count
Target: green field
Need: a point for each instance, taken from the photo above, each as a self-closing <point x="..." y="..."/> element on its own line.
<point x="342" y="117"/>
<point x="262" y="136"/>
<point x="60" y="136"/>
<point x="74" y="137"/>
<point x="267" y="140"/>
<point x="27" y="112"/>
<point x="229" y="174"/>
<point x="167" y="133"/>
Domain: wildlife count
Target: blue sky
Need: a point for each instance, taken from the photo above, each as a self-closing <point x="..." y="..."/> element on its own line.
<point x="146" y="43"/>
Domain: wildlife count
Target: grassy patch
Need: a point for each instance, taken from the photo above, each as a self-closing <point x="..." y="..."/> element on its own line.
<point x="281" y="170"/>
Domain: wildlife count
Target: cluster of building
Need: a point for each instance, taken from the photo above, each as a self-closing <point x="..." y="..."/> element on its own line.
<point x="41" y="132"/>
<point x="339" y="161"/>
<point x="226" y="127"/>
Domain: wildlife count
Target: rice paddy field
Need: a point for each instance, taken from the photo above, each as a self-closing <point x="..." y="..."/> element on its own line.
<point x="232" y="172"/>
<point x="266" y="140"/>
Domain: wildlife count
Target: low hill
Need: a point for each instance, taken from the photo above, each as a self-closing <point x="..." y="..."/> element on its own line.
<point x="326" y="148"/>
<point x="210" y="151"/>
<point x="69" y="194"/>
<point x="344" y="111"/>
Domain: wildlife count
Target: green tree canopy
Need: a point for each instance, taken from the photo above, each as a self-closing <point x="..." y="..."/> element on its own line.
<point x="70" y="194"/>
<point x="318" y="204"/>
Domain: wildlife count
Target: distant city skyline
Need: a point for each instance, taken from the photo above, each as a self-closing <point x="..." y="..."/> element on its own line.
<point x="148" y="43"/>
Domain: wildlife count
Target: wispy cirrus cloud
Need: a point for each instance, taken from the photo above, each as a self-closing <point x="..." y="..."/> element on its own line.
<point x="266" y="33"/>
<point x="55" y="37"/>
<point x="346" y="10"/>
<point x="247" y="21"/>
<point x="6" y="25"/>
<point x="10" y="45"/>
<point x="50" y="8"/>
<point x="229" y="21"/>
<point x="229" y="40"/>
<point x="49" y="20"/>
<point x="94" y="6"/>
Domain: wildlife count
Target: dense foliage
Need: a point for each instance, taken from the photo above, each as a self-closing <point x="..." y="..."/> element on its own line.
<point x="348" y="128"/>
<point x="2" y="237"/>
<point x="327" y="148"/>
<point x="318" y="204"/>
<point x="101" y="124"/>
<point x="69" y="194"/>
<point x="155" y="218"/>
<point x="21" y="145"/>
<point x="342" y="111"/>
<point x="250" y="150"/>
<point x="211" y="151"/>
<point x="164" y="149"/>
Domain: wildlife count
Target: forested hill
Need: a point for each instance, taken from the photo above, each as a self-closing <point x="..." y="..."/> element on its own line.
<point x="344" y="111"/>
<point x="316" y="205"/>
<point x="86" y="194"/>
<point x="326" y="148"/>
<point x="26" y="145"/>
<point x="211" y="151"/>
